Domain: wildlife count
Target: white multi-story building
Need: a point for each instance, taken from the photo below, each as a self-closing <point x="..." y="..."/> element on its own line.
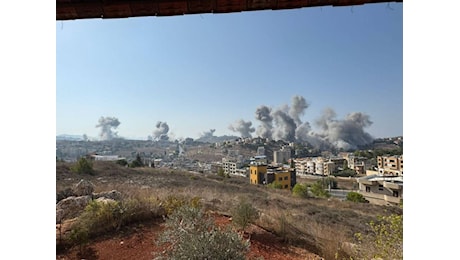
<point x="260" y="150"/>
<point x="282" y="156"/>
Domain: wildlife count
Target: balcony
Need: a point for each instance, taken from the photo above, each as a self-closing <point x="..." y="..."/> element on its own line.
<point x="392" y="185"/>
<point x="366" y="181"/>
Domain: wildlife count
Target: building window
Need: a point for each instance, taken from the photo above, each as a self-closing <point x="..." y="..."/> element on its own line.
<point x="395" y="193"/>
<point x="368" y="189"/>
<point x="285" y="178"/>
<point x="285" y="186"/>
<point x="380" y="187"/>
<point x="280" y="178"/>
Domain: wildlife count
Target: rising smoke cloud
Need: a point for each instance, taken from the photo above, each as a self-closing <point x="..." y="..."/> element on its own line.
<point x="242" y="127"/>
<point x="207" y="134"/>
<point x="285" y="123"/>
<point x="161" y="131"/>
<point x="107" y="124"/>
<point x="263" y="114"/>
<point x="347" y="133"/>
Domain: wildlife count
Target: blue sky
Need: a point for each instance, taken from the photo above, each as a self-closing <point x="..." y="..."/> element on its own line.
<point x="202" y="72"/>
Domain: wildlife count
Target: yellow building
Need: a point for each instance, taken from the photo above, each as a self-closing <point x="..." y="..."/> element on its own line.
<point x="257" y="173"/>
<point x="283" y="178"/>
<point x="260" y="174"/>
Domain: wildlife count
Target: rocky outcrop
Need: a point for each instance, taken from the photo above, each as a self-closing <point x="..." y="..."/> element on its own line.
<point x="113" y="194"/>
<point x="72" y="202"/>
<point x="60" y="195"/>
<point x="84" y="188"/>
<point x="71" y="207"/>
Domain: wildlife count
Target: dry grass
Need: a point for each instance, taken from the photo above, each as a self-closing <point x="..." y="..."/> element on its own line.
<point x="319" y="225"/>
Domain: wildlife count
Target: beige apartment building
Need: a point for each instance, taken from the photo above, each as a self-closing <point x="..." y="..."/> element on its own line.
<point x="382" y="190"/>
<point x="384" y="186"/>
<point x="390" y="165"/>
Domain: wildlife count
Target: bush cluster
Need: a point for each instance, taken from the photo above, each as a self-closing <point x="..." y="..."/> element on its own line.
<point x="300" y="190"/>
<point x="83" y="166"/>
<point x="356" y="197"/>
<point x="190" y="234"/>
<point x="244" y="214"/>
<point x="385" y="240"/>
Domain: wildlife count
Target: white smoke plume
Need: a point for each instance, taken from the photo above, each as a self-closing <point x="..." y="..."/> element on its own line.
<point x="285" y="126"/>
<point x="210" y="133"/>
<point x="161" y="131"/>
<point x="242" y="127"/>
<point x="107" y="124"/>
<point x="347" y="133"/>
<point x="285" y="123"/>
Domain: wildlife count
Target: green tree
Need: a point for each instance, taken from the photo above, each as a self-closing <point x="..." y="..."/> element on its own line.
<point x="300" y="190"/>
<point x="346" y="173"/>
<point x="319" y="189"/>
<point x="356" y="197"/>
<point x="137" y="162"/>
<point x="243" y="214"/>
<point x="330" y="182"/>
<point x="83" y="166"/>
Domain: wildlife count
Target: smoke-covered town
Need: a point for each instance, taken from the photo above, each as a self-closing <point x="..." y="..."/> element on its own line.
<point x="278" y="128"/>
<point x="249" y="130"/>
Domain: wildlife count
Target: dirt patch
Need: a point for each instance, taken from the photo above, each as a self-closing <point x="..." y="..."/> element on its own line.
<point x="138" y="242"/>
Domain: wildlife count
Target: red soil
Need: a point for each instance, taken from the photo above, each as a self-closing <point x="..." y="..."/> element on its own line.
<point x="138" y="243"/>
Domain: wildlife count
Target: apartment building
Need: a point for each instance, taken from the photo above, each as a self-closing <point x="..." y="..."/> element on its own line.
<point x="261" y="150"/>
<point x="231" y="166"/>
<point x="354" y="161"/>
<point x="282" y="156"/>
<point x="259" y="159"/>
<point x="262" y="174"/>
<point x="382" y="190"/>
<point x="390" y="165"/>
<point x="319" y="166"/>
<point x="384" y="186"/>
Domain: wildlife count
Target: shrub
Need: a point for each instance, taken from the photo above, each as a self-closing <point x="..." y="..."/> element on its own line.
<point x="80" y="237"/>
<point x="385" y="240"/>
<point x="300" y="190"/>
<point x="346" y="173"/>
<point x="122" y="162"/>
<point x="137" y="162"/>
<point x="172" y="202"/>
<point x="319" y="189"/>
<point x="243" y="214"/>
<point x="83" y="166"/>
<point x="190" y="234"/>
<point x="98" y="217"/>
<point x="331" y="182"/>
<point x="275" y="185"/>
<point x="356" y="197"/>
<point x="222" y="173"/>
<point x="104" y="216"/>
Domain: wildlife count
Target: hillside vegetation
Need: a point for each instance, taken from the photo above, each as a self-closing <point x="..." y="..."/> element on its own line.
<point x="322" y="226"/>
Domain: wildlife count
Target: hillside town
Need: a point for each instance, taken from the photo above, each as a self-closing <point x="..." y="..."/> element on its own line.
<point x="378" y="178"/>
